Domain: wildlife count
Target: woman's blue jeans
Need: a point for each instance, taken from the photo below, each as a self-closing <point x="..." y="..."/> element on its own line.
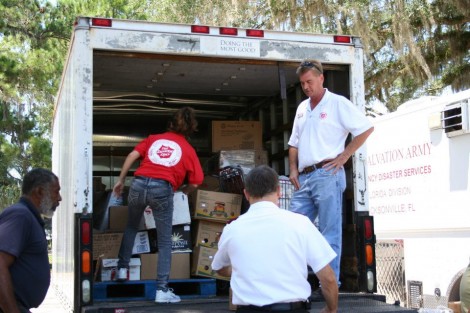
<point x="158" y="194"/>
<point x="321" y="194"/>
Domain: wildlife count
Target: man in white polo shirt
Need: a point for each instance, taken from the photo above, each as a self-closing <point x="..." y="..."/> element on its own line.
<point x="317" y="153"/>
<point x="267" y="250"/>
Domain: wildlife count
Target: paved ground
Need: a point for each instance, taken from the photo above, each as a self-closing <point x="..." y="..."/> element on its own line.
<point x="50" y="305"/>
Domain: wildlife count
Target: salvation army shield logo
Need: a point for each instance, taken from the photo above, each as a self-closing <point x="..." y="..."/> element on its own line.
<point x="165" y="152"/>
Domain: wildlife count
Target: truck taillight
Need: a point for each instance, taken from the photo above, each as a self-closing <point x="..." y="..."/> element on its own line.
<point x="369" y="255"/>
<point x="84" y="259"/>
<point x="368" y="232"/>
<point x="366" y="244"/>
<point x="86" y="262"/>
<point x="342" y="39"/>
<point x="86" y="233"/>
<point x="255" y="33"/>
<point x="199" y="29"/>
<point x="228" y="31"/>
<point x="103" y="22"/>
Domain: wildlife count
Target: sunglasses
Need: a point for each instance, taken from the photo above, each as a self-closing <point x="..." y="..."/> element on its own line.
<point x="308" y="64"/>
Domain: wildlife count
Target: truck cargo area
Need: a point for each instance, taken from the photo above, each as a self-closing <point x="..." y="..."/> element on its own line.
<point x="123" y="80"/>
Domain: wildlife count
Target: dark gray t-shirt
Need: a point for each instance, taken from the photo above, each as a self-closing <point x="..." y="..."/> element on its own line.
<point x="22" y="235"/>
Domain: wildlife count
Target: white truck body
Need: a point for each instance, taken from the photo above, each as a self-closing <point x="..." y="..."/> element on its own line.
<point x="419" y="191"/>
<point x="122" y="79"/>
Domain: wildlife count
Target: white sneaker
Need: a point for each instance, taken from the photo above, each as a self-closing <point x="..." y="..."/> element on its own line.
<point x="121" y="274"/>
<point x="166" y="296"/>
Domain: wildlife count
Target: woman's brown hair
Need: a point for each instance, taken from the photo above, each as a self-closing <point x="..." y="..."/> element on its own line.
<point x="183" y="122"/>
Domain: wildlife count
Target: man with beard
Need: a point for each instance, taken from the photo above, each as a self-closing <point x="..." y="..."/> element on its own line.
<point x="24" y="262"/>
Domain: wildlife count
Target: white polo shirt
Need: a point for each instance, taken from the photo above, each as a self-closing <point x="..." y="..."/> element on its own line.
<point x="320" y="134"/>
<point x="269" y="250"/>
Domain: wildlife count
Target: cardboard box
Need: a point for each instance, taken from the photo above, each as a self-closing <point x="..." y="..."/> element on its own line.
<point x="106" y="245"/>
<point x="109" y="269"/>
<point x="180" y="266"/>
<point x="180" y="239"/>
<point x="118" y="218"/>
<point x="217" y="206"/>
<point x="208" y="233"/>
<point x="202" y="261"/>
<point x="236" y="135"/>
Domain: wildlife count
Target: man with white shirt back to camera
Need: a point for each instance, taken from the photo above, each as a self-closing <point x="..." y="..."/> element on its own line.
<point x="267" y="250"/>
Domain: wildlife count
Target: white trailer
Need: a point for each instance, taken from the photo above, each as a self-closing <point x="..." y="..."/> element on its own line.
<point x="419" y="191"/>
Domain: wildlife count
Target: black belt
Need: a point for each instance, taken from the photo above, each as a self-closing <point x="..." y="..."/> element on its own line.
<point x="278" y="306"/>
<point x="314" y="167"/>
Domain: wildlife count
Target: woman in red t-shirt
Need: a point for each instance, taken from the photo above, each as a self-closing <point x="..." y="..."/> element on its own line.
<point x="167" y="159"/>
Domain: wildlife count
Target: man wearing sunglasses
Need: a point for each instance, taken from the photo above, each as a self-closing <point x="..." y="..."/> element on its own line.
<point x="317" y="153"/>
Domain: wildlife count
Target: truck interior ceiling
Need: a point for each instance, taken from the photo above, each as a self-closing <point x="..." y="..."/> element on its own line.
<point x="134" y="94"/>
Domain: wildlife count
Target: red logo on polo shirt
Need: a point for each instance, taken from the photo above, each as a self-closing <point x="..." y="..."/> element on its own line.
<point x="323" y="115"/>
<point x="165" y="152"/>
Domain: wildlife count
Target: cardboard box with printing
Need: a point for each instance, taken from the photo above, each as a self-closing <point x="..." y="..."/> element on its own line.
<point x="180" y="239"/>
<point x="180" y="266"/>
<point x="202" y="261"/>
<point x="217" y="206"/>
<point x="208" y="233"/>
<point x="236" y="135"/>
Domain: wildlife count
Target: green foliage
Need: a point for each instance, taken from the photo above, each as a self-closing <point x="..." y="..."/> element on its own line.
<point x="412" y="47"/>
<point x="30" y="64"/>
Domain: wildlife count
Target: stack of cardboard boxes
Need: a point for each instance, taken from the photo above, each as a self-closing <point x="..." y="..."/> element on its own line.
<point x="212" y="210"/>
<point x="106" y="244"/>
<point x="237" y="144"/>
<point x="234" y="143"/>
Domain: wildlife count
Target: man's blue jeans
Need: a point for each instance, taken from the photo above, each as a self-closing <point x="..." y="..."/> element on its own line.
<point x="158" y="194"/>
<point x="321" y="194"/>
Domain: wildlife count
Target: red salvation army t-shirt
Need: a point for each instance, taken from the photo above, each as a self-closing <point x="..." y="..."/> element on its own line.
<point x="170" y="157"/>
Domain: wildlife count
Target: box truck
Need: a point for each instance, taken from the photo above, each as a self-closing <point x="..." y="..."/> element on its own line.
<point x="419" y="177"/>
<point x="123" y="79"/>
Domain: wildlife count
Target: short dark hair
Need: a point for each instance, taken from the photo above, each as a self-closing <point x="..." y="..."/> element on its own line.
<point x="261" y="181"/>
<point x="183" y="121"/>
<point x="35" y="178"/>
